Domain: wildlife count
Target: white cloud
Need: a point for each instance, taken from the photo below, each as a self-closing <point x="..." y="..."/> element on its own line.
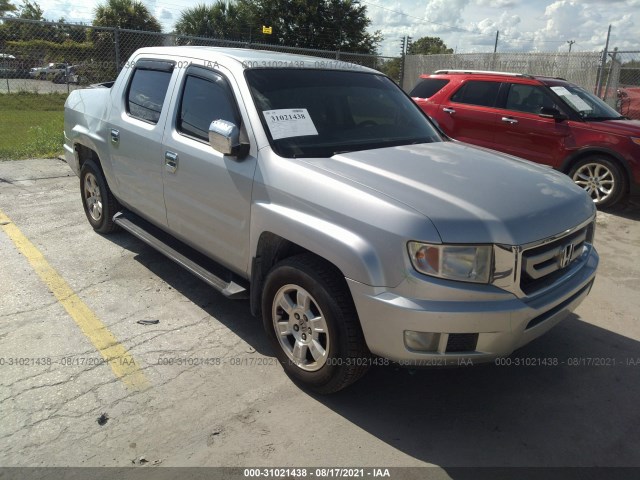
<point x="497" y="3"/>
<point x="469" y="25"/>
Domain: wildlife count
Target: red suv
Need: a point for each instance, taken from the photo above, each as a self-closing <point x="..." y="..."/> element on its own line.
<point x="545" y="120"/>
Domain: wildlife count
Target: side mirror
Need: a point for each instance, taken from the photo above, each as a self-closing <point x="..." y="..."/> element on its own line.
<point x="224" y="137"/>
<point x="547" y="112"/>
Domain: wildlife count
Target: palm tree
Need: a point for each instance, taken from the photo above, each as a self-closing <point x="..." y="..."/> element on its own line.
<point x="124" y="14"/>
<point x="130" y="14"/>
<point x="219" y="20"/>
<point x="5" y="7"/>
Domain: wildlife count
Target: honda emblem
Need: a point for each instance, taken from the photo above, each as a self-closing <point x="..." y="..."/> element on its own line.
<point x="565" y="255"/>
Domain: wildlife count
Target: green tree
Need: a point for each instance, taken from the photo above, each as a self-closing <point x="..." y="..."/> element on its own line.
<point x="429" y="46"/>
<point x="123" y="14"/>
<point x="31" y="11"/>
<point x="67" y="32"/>
<point x="323" y="24"/>
<point x="130" y="14"/>
<point x="6" y="7"/>
<point x="219" y="20"/>
<point x="391" y="68"/>
<point x="26" y="31"/>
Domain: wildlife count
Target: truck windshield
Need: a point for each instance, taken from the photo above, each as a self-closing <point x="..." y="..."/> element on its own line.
<point x="586" y="104"/>
<point x="320" y="113"/>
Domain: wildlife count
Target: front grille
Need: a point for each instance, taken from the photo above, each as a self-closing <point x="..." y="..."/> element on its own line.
<point x="544" y="265"/>
<point x="462" y="342"/>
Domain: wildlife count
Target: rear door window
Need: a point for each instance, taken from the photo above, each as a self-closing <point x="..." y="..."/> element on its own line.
<point x="428" y="87"/>
<point x="147" y="91"/>
<point x="477" y="92"/>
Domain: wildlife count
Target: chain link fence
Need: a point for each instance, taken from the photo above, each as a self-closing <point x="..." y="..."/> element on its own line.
<point x="627" y="88"/>
<point x="580" y="68"/>
<point x="46" y="57"/>
<point x="39" y="57"/>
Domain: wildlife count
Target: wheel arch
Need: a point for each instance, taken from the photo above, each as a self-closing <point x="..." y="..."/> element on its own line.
<point x="85" y="152"/>
<point x="618" y="159"/>
<point x="272" y="249"/>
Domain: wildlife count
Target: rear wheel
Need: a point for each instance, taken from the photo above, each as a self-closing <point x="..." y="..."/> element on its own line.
<point x="601" y="178"/>
<point x="312" y="324"/>
<point x="99" y="203"/>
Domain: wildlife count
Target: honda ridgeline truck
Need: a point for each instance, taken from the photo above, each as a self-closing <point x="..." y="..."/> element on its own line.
<point x="319" y="191"/>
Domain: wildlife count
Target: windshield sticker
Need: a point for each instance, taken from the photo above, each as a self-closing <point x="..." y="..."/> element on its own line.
<point x="561" y="91"/>
<point x="286" y="122"/>
<point x="572" y="99"/>
<point x="579" y="104"/>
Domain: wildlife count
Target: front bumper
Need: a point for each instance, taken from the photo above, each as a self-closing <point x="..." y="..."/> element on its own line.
<point x="496" y="321"/>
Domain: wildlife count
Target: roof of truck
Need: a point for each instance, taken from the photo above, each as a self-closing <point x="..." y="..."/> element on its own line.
<point x="250" y="58"/>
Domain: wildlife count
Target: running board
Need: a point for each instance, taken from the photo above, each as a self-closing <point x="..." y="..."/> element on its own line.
<point x="185" y="256"/>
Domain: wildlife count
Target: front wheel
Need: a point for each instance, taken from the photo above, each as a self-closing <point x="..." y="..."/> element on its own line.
<point x="601" y="178"/>
<point x="310" y="319"/>
<point x="99" y="203"/>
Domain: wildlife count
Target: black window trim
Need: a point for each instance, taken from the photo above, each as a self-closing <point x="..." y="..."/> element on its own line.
<point x="147" y="64"/>
<point x="209" y="75"/>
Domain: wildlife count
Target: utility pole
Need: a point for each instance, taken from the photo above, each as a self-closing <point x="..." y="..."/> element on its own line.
<point x="495" y="47"/>
<point x="403" y="47"/>
<point x="570" y="42"/>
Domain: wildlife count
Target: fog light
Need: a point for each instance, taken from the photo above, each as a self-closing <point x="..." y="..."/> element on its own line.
<point x="421" y="341"/>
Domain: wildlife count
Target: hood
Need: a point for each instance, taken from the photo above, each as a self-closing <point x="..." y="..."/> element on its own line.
<point x="620" y="127"/>
<point x="471" y="195"/>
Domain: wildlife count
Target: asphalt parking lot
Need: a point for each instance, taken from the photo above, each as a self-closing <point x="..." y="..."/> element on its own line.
<point x="200" y="386"/>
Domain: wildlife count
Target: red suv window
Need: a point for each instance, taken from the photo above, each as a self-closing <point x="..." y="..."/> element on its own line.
<point x="476" y="92"/>
<point x="528" y="98"/>
<point x="428" y="87"/>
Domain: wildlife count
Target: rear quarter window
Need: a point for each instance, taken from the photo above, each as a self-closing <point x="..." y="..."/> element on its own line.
<point x="428" y="87"/>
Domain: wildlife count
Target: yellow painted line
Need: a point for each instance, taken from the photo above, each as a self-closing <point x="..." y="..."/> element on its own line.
<point x="120" y="360"/>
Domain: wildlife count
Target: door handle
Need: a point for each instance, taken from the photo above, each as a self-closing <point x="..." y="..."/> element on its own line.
<point x="448" y="110"/>
<point x="170" y="161"/>
<point x="509" y="120"/>
<point x="115" y="136"/>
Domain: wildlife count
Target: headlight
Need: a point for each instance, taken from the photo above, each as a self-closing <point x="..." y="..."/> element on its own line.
<point x="466" y="263"/>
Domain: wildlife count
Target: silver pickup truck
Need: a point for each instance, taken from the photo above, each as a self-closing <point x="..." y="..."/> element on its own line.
<point x="319" y="191"/>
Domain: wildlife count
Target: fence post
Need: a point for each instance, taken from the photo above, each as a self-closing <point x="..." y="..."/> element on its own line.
<point x="613" y="63"/>
<point x="6" y="65"/>
<point x="603" y="65"/>
<point x="116" y="38"/>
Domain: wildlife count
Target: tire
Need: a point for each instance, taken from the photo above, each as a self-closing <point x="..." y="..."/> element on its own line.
<point x="97" y="200"/>
<point x="601" y="178"/>
<point x="307" y="284"/>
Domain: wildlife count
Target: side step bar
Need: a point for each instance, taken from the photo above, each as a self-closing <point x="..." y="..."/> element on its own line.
<point x="185" y="256"/>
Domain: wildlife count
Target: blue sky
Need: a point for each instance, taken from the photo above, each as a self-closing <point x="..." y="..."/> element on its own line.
<point x="466" y="25"/>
